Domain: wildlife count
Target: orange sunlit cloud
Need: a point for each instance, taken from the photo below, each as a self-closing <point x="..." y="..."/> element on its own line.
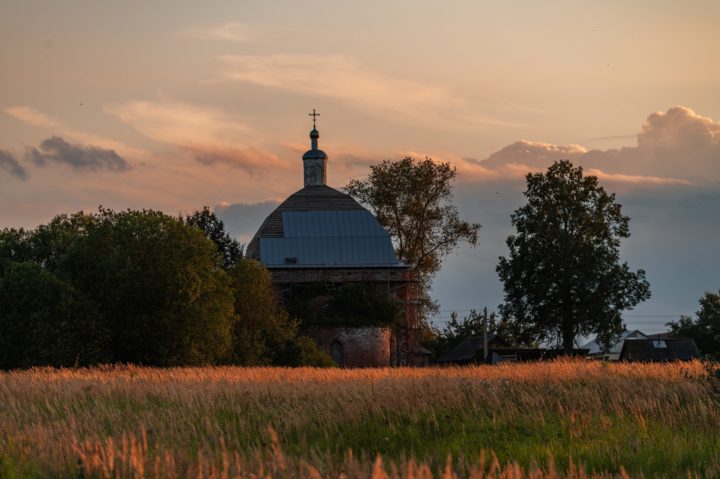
<point x="346" y="79"/>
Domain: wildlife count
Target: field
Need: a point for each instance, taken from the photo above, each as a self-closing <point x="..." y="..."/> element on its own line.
<point x="561" y="419"/>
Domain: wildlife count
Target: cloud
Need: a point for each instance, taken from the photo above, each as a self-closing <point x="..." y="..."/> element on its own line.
<point x="674" y="147"/>
<point x="636" y="179"/>
<point x="345" y="79"/>
<point x="532" y="154"/>
<point x="31" y="116"/>
<point x="79" y="157"/>
<point x="253" y="160"/>
<point x="176" y="123"/>
<point x="468" y="169"/>
<point x="210" y="135"/>
<point x="34" y="117"/>
<point x="11" y="165"/>
<point x="228" y="32"/>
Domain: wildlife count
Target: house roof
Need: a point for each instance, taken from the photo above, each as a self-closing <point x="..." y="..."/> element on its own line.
<point x="595" y="346"/>
<point x="659" y="350"/>
<point x="469" y="348"/>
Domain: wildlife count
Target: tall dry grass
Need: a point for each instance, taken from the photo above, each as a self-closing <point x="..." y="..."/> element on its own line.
<point x="545" y="420"/>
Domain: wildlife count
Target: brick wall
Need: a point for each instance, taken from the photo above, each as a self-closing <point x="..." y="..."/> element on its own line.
<point x="354" y="347"/>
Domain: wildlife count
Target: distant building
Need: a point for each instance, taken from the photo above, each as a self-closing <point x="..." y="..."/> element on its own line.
<point x="659" y="350"/>
<point x="321" y="236"/>
<point x="596" y="351"/>
<point x="471" y="350"/>
<point x="637" y="346"/>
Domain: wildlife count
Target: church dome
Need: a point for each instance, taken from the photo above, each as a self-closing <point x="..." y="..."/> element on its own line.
<point x="321" y="227"/>
<point x="310" y="198"/>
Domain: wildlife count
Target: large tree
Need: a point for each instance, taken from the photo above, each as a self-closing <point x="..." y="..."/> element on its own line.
<point x="563" y="277"/>
<point x="413" y="201"/>
<point x="157" y="284"/>
<point x="705" y="328"/>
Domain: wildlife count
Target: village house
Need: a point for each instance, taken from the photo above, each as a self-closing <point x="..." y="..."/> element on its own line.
<point x="636" y="346"/>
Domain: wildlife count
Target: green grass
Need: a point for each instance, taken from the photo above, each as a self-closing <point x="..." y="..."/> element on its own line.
<point x="651" y="421"/>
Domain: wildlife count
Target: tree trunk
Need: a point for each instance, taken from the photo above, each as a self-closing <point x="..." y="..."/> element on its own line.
<point x="568" y="333"/>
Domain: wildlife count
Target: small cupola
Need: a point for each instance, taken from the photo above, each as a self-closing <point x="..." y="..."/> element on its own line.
<point x="314" y="160"/>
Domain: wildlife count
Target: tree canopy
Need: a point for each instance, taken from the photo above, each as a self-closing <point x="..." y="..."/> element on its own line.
<point x="413" y="201"/>
<point x="563" y="276"/>
<point x="157" y="284"/>
<point x="704" y="328"/>
<point x="138" y="287"/>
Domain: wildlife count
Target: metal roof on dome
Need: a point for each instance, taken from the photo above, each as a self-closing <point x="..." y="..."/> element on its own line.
<point x="310" y="198"/>
<point x="328" y="239"/>
<point x="347" y="251"/>
<point x="308" y="224"/>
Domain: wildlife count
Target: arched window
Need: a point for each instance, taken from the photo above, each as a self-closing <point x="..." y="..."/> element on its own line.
<point x="336" y="352"/>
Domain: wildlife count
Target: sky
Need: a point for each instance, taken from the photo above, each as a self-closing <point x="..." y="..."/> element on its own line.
<point x="174" y="105"/>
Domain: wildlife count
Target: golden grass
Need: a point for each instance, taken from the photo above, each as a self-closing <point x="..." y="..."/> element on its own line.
<point x="543" y="420"/>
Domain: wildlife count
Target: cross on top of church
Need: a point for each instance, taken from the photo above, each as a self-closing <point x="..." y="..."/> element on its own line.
<point x="314" y="115"/>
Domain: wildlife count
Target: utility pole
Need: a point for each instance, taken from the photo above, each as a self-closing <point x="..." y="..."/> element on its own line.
<point x="485" y="337"/>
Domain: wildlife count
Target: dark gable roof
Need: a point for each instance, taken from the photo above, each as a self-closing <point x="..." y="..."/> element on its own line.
<point x="648" y="350"/>
<point x="470" y="349"/>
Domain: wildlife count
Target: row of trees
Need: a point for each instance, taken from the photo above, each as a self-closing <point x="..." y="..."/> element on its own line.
<point x="563" y="277"/>
<point x="139" y="287"/>
<point x="148" y="288"/>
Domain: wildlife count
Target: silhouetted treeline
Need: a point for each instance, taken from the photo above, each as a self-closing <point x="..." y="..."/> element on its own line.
<point x="139" y="287"/>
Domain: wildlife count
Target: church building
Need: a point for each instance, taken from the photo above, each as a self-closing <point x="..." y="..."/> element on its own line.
<point x="320" y="240"/>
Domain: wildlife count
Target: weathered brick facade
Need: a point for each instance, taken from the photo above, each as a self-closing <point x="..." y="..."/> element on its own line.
<point x="354" y="347"/>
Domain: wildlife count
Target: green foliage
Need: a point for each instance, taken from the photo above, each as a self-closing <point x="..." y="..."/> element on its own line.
<point x="563" y="277"/>
<point x="261" y="323"/>
<point x="45" y="321"/>
<point x="302" y="351"/>
<point x="413" y="201"/>
<point x="230" y="250"/>
<point x="705" y="328"/>
<point x="153" y="282"/>
<point x="263" y="332"/>
<point x="154" y="291"/>
<point x="362" y="304"/>
<point x="472" y="325"/>
<point x="157" y="285"/>
<point x="351" y="305"/>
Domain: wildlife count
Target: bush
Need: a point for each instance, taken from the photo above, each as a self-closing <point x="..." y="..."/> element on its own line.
<point x="302" y="351"/>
